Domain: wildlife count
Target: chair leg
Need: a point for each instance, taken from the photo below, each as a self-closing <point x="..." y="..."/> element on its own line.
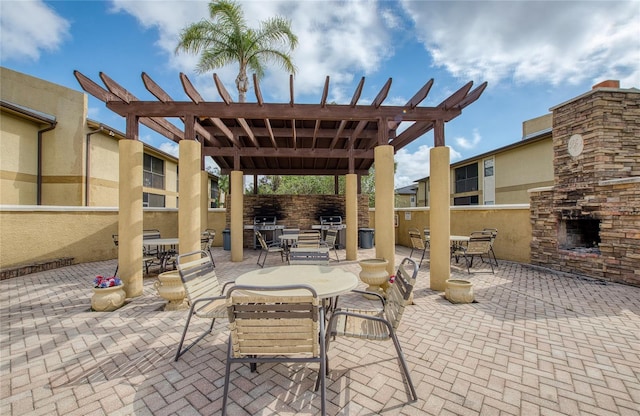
<point x="226" y="379"/>
<point x="184" y="334"/>
<point x="403" y="363"/>
<point x="260" y="255"/>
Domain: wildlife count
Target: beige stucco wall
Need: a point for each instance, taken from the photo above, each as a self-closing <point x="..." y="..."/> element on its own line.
<point x="19" y="167"/>
<point x="31" y="234"/>
<point x="537" y="124"/>
<point x="523" y="168"/>
<point x="512" y="221"/>
<point x="62" y="168"/>
<point x="104" y="173"/>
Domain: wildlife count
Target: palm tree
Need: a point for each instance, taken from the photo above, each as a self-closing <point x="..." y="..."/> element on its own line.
<point x="226" y="39"/>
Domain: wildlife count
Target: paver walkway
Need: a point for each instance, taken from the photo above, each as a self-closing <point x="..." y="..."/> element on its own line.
<point x="536" y="342"/>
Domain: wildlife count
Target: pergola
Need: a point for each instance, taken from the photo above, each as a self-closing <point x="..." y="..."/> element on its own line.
<point x="291" y="138"/>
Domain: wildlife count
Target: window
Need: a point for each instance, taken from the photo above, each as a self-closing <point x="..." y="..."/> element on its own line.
<point x="153" y="172"/>
<point x="466" y="200"/>
<point x="488" y="167"/>
<point x="467" y="178"/>
<point x="152" y="200"/>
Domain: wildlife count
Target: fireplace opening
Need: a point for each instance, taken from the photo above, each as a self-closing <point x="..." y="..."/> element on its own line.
<point x="581" y="235"/>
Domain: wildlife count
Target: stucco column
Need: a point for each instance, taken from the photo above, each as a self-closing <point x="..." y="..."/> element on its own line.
<point x="237" y="205"/>
<point x="384" y="229"/>
<point x="351" y="214"/>
<point x="130" y="216"/>
<point x="189" y="202"/>
<point x="440" y="218"/>
<point x="204" y="200"/>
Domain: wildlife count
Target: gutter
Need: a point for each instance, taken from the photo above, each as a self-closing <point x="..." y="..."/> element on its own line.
<point x="52" y="126"/>
<point x="87" y="163"/>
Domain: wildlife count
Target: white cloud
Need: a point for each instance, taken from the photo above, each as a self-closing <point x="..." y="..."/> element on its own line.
<point x="170" y="148"/>
<point x="532" y="41"/>
<point x="411" y="166"/>
<point x="27" y="28"/>
<point x="344" y="40"/>
<point x="469" y="144"/>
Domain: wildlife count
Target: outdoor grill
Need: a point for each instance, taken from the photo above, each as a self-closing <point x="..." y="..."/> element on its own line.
<point x="267" y="225"/>
<point x="332" y="222"/>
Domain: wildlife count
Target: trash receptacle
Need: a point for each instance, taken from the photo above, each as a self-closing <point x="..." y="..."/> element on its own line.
<point x="365" y="235"/>
<point x="226" y="239"/>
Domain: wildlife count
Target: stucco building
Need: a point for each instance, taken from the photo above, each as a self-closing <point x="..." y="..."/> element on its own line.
<point x="503" y="175"/>
<point x="52" y="154"/>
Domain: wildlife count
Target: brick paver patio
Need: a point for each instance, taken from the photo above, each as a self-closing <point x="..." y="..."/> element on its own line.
<point x="535" y="342"/>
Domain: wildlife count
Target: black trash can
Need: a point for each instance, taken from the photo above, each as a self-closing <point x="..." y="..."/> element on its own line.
<point x="226" y="239"/>
<point x="365" y="235"/>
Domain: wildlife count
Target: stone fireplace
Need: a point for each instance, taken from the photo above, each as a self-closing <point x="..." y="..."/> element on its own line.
<point x="589" y="221"/>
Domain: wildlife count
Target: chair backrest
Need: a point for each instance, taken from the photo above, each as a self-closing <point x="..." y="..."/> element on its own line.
<point x="198" y="275"/>
<point x="479" y="243"/>
<point x="399" y="291"/>
<point x="261" y="240"/>
<point x="206" y="240"/>
<point x="330" y="237"/>
<point x="493" y="232"/>
<point x="317" y="256"/>
<point x="150" y="234"/>
<point x="416" y="239"/>
<point x="264" y="324"/>
<point x="308" y="239"/>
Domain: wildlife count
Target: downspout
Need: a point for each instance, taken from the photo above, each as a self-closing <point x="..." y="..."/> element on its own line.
<point x="52" y="126"/>
<point x="87" y="164"/>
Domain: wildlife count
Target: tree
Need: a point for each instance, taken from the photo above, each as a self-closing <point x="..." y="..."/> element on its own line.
<point x="226" y="39"/>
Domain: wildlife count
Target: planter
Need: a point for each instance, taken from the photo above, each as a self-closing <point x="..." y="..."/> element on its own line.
<point x="459" y="291"/>
<point x="374" y="273"/>
<point x="170" y="287"/>
<point x="107" y="299"/>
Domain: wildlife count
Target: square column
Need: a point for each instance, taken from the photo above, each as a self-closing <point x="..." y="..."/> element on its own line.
<point x="351" y="214"/>
<point x="440" y="218"/>
<point x="189" y="202"/>
<point x="384" y="224"/>
<point x="130" y="216"/>
<point x="237" y="206"/>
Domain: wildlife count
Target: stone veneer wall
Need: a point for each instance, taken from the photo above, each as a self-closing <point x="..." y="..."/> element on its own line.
<point x="602" y="183"/>
<point x="297" y="211"/>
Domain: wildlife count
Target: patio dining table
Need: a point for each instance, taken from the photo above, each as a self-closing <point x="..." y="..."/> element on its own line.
<point x="328" y="282"/>
<point x="166" y="248"/>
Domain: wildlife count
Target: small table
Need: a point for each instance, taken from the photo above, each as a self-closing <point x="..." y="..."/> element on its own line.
<point x="163" y="255"/>
<point x="328" y="282"/>
<point x="457" y="241"/>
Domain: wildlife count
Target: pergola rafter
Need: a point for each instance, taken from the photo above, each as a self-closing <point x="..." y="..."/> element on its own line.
<point x="272" y="138"/>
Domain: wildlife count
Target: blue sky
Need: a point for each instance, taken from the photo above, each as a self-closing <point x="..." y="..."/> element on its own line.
<point x="534" y="55"/>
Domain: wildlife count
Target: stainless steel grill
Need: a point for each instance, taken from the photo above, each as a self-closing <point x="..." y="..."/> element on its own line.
<point x="333" y="222"/>
<point x="268" y="226"/>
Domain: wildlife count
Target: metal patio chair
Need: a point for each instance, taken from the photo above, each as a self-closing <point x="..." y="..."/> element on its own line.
<point x="330" y="241"/>
<point x="268" y="248"/>
<point x="266" y="327"/>
<point x="494" y="234"/>
<point x="479" y="245"/>
<point x="203" y="292"/>
<point x="379" y="325"/>
<point x="417" y="243"/>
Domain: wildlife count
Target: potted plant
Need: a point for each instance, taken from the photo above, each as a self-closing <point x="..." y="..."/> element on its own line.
<point x="108" y="294"/>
